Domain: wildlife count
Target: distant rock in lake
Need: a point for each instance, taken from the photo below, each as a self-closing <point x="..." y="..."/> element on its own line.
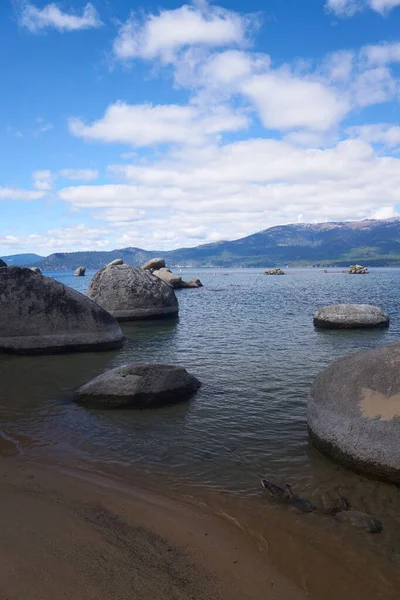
<point x="354" y="411"/>
<point x="138" y="386"/>
<point x="36" y="270"/>
<point x="274" y="272"/>
<point x="129" y="293"/>
<point x="2" y="263"/>
<point x="350" y="316"/>
<point x="175" y="280"/>
<point x="42" y="316"/>
<point x="357" y="270"/>
<point x="80" y="272"/>
<point x="117" y="261"/>
<point x="154" y="264"/>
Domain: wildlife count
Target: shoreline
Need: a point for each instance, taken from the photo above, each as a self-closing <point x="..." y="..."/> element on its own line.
<point x="82" y="534"/>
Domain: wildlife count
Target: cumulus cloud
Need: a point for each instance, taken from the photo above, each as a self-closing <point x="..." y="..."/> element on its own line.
<point x="206" y="193"/>
<point x="52" y="17"/>
<point x="145" y="124"/>
<point x="78" y="237"/>
<point x="79" y="174"/>
<point x="164" y="34"/>
<point x="287" y="102"/>
<point x="386" y="134"/>
<point x="348" y="8"/>
<point x="43" y="180"/>
<point x="9" y="193"/>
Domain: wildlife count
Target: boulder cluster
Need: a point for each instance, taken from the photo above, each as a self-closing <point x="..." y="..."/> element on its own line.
<point x="357" y="270"/>
<point x="157" y="267"/>
<point x="130" y="293"/>
<point x="274" y="272"/>
<point x="43" y="316"/>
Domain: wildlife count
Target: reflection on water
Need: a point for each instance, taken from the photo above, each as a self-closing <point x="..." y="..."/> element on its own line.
<point x="250" y="340"/>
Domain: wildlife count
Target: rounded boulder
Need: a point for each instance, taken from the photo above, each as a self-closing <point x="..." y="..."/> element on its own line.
<point x="354" y="411"/>
<point x="42" y="316"/>
<point x="129" y="293"/>
<point x="138" y="386"/>
<point x="154" y="264"/>
<point x="350" y="316"/>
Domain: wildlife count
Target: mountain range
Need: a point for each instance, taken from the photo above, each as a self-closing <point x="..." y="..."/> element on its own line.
<point x="369" y="242"/>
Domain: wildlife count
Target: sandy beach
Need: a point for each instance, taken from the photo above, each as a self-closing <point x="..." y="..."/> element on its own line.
<point x="70" y="534"/>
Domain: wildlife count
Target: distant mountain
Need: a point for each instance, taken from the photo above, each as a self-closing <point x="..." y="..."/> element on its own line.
<point x="21" y="259"/>
<point x="369" y="242"/>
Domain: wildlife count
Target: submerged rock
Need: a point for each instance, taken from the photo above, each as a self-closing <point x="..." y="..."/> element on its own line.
<point x="154" y="264"/>
<point x="192" y="283"/>
<point x="2" y="263"/>
<point x="80" y="271"/>
<point x="138" y="386"/>
<point x="41" y="315"/>
<point x="129" y="293"/>
<point x="350" y="316"/>
<point x="354" y="411"/>
<point x="361" y="520"/>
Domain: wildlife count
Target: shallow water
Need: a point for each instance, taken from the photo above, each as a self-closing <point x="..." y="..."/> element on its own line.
<point x="250" y="339"/>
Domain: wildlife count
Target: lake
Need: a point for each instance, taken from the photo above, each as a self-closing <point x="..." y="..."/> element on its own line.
<point x="250" y="339"/>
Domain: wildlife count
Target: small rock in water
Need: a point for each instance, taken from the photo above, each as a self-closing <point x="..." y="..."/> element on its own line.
<point x="138" y="386"/>
<point x="80" y="271"/>
<point x="357" y="270"/>
<point x="36" y="270"/>
<point x="274" y="272"/>
<point x="117" y="261"/>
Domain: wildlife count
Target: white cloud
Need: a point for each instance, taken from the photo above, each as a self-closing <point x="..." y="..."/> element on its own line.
<point x="52" y="17"/>
<point x="378" y="133"/>
<point x="287" y="102"/>
<point x="79" y="174"/>
<point x="386" y="212"/>
<point x="200" y="194"/>
<point x="348" y="8"/>
<point x="144" y="124"/>
<point x="163" y="35"/>
<point x="78" y="237"/>
<point x="7" y="193"/>
<point x="373" y="86"/>
<point x="43" y="180"/>
<point x="382" y="54"/>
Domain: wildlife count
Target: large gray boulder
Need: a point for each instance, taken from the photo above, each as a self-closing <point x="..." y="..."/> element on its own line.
<point x="350" y="316"/>
<point x="80" y="272"/>
<point x="154" y="264"/>
<point x="42" y="316"/>
<point x="354" y="411"/>
<point x="129" y="293"/>
<point x="2" y="263"/>
<point x="138" y="386"/>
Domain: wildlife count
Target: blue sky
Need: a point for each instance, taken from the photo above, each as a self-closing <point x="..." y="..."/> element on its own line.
<point x="168" y="125"/>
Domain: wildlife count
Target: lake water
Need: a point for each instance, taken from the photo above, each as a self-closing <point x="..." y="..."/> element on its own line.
<point x="250" y="339"/>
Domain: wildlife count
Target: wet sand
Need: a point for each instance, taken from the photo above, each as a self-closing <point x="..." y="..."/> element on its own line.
<point x="80" y="535"/>
<point x="69" y="536"/>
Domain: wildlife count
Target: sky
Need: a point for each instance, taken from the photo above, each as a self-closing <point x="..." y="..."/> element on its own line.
<point x="164" y="125"/>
